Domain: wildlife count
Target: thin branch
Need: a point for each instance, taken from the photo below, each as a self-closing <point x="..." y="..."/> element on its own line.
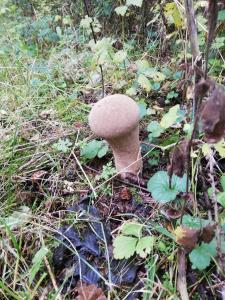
<point x="181" y="281"/>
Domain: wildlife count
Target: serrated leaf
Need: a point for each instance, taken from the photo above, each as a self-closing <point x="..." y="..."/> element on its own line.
<point x="144" y="246"/>
<point x="94" y="148"/>
<point x="171" y="117"/>
<point x="132" y="228"/>
<point x="200" y="257"/>
<point x="144" y="82"/>
<point x="194" y="222"/>
<point x="158" y="185"/>
<point x="124" y="247"/>
<point x="120" y="56"/>
<point x="134" y="2"/>
<point x="121" y="10"/>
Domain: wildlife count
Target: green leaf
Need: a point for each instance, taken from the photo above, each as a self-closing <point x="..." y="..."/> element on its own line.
<point x="222" y="182"/>
<point x="103" y="150"/>
<point x="37" y="263"/>
<point x="221" y="198"/>
<point x="144" y="246"/>
<point x="194" y="222"/>
<point x="171" y="95"/>
<point x="142" y="66"/>
<point x="132" y="91"/>
<point x="172" y="10"/>
<point x="124" y="246"/>
<point x="221" y="15"/>
<point x="120" y="56"/>
<point x="142" y="109"/>
<point x="200" y="257"/>
<point x="132" y="228"/>
<point x="94" y="148"/>
<point x="121" y="10"/>
<point x="17" y="218"/>
<point x="158" y="185"/>
<point x="134" y="2"/>
<point x="155" y="129"/>
<point x="171" y="117"/>
<point x="144" y="82"/>
<point x="62" y="145"/>
<point x="220" y="148"/>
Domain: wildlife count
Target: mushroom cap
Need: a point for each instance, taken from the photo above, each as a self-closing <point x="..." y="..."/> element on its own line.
<point x="114" y="116"/>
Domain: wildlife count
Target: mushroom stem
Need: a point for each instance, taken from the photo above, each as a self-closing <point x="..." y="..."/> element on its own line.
<point x="115" y="118"/>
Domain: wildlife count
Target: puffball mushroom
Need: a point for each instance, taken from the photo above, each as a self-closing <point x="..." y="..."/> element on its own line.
<point x="116" y="119"/>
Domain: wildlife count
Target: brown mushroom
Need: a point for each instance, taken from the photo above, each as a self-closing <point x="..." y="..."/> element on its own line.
<point x="115" y="118"/>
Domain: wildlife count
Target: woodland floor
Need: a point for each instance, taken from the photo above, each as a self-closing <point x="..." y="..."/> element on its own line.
<point x="62" y="206"/>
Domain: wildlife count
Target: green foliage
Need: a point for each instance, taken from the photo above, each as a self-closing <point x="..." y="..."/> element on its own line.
<point x="17" y="218"/>
<point x="200" y="257"/>
<point x="62" y="145"/>
<point x="171" y="117"/>
<point x="37" y="262"/>
<point x="159" y="187"/>
<point x="155" y="130"/>
<point x="94" y="148"/>
<point x="131" y="240"/>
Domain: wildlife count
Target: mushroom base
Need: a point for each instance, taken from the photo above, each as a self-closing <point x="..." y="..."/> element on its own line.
<point x="127" y="152"/>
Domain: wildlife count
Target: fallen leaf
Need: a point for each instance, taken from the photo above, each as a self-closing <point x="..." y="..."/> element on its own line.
<point x="208" y="233"/>
<point x="187" y="237"/>
<point x="213" y="116"/>
<point x="39" y="175"/>
<point x="125" y="194"/>
<point x="171" y="213"/>
<point x="178" y="159"/>
<point x="89" y="292"/>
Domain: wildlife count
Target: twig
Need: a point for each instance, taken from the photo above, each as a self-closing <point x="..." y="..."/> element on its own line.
<point x="181" y="281"/>
<point x="58" y="297"/>
<point x="192" y="29"/>
<point x="95" y="40"/>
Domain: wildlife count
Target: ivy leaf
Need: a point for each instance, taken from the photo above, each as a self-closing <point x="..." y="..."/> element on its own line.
<point x="200" y="257"/>
<point x="134" y="2"/>
<point x="121" y="10"/>
<point x="142" y="109"/>
<point x="120" y="56"/>
<point x="158" y="185"/>
<point x="155" y="129"/>
<point x="193" y="222"/>
<point x="171" y="117"/>
<point x="144" y="82"/>
<point x="124" y="246"/>
<point x="132" y="228"/>
<point x="144" y="246"/>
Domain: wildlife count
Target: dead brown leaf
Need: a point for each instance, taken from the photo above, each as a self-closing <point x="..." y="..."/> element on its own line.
<point x="213" y="116"/>
<point x="89" y="292"/>
<point x="208" y="233"/>
<point x="125" y="194"/>
<point x="38" y="175"/>
<point x="178" y="159"/>
<point x="187" y="237"/>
